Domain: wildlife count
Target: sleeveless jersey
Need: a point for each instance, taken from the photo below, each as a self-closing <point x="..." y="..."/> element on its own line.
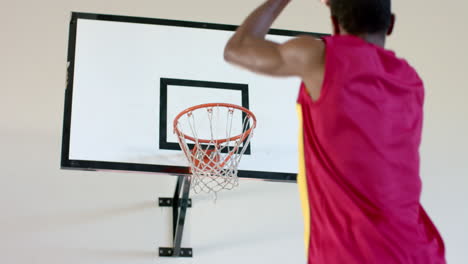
<point x="359" y="161"/>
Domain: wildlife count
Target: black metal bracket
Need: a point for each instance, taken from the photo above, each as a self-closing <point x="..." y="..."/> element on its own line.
<point x="169" y="202"/>
<point x="179" y="210"/>
<point x="169" y="252"/>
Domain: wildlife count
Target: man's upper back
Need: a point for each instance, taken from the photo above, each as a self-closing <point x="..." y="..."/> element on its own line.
<point x="361" y="143"/>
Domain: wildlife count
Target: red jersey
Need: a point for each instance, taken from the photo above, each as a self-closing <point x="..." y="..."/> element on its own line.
<point x="360" y="160"/>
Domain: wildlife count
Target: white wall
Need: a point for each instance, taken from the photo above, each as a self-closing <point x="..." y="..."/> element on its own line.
<point x="52" y="216"/>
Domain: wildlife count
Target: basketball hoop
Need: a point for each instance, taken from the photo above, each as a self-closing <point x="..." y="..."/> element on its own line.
<point x="214" y="137"/>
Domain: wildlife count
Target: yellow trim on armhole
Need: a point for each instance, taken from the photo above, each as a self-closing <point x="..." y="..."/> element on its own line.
<point x="302" y="182"/>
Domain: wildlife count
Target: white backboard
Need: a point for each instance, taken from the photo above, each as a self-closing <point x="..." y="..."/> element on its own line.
<point x="129" y="78"/>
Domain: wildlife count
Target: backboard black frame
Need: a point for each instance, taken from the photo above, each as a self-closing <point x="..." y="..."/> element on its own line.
<point x="67" y="163"/>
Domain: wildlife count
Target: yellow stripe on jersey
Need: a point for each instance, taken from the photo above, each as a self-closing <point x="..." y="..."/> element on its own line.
<point x="302" y="183"/>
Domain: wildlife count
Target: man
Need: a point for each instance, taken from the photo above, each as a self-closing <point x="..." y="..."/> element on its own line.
<point x="361" y="113"/>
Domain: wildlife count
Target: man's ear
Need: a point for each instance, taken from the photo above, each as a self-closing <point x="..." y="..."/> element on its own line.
<point x="392" y="25"/>
<point x="336" y="25"/>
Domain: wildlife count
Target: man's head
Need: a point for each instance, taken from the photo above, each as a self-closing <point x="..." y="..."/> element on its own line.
<point x="362" y="17"/>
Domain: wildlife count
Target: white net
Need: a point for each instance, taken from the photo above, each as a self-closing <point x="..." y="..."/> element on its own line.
<point x="214" y="137"/>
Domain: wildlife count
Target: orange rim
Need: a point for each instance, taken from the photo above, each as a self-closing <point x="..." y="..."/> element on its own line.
<point x="218" y="141"/>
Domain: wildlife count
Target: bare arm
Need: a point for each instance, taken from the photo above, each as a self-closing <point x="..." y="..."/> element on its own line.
<point x="302" y="56"/>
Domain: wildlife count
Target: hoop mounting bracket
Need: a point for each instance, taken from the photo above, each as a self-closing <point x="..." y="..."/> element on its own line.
<point x="169" y="202"/>
<point x="179" y="210"/>
<point x="169" y="252"/>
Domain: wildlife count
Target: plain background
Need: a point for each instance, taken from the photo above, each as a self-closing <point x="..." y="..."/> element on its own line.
<point x="48" y="215"/>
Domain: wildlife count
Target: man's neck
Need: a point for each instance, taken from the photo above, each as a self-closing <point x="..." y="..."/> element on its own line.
<point x="376" y="39"/>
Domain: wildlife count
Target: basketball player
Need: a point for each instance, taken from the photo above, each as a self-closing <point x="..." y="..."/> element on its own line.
<point x="360" y="108"/>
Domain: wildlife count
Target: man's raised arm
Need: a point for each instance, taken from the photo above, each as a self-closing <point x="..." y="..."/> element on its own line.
<point x="249" y="49"/>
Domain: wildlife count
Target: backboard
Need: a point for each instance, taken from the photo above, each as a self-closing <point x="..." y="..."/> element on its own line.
<point x="129" y="77"/>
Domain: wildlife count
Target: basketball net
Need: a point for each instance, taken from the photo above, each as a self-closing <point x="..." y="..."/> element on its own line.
<point x="214" y="138"/>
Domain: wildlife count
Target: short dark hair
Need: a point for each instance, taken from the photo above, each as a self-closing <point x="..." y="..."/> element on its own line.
<point x="362" y="16"/>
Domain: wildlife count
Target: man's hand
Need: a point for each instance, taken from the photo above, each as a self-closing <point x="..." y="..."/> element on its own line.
<point x="326" y="2"/>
